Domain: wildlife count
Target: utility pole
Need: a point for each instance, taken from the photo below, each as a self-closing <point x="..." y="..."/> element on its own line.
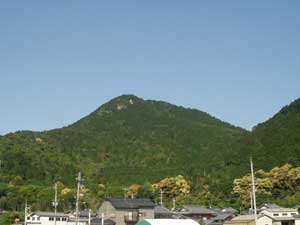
<point x="102" y="218"/>
<point x="55" y="203"/>
<point x="251" y="201"/>
<point x="77" y="197"/>
<point x="161" y="196"/>
<point x="125" y="192"/>
<point x="25" y="213"/>
<point x="253" y="192"/>
<point x="174" y="203"/>
<point x="89" y="216"/>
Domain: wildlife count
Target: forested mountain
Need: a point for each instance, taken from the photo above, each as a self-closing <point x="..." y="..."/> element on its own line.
<point x="125" y="140"/>
<point x="271" y="143"/>
<point x="130" y="140"/>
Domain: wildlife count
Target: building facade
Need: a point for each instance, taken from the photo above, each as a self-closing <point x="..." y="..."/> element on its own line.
<point x="127" y="211"/>
<point x="49" y="218"/>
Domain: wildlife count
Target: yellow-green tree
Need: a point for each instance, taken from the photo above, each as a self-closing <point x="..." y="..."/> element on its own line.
<point x="243" y="187"/>
<point x="133" y="190"/>
<point x="276" y="182"/>
<point x="173" y="186"/>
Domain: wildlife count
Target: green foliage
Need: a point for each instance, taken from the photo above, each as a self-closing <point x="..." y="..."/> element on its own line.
<point x="118" y="144"/>
<point x="281" y="184"/>
<point x="11" y="217"/>
<point x="132" y="141"/>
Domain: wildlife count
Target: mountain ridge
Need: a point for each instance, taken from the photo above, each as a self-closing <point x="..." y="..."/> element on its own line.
<point x="120" y="140"/>
<point x="120" y="99"/>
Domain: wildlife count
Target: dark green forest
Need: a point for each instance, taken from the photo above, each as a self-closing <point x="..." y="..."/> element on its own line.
<point x="134" y="141"/>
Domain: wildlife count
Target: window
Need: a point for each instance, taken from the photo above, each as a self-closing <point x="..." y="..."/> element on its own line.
<point x="28" y="218"/>
<point x="58" y="219"/>
<point x="284" y="214"/>
<point x="293" y="214"/>
<point x="275" y="214"/>
<point x="33" y="218"/>
<point x="63" y="219"/>
<point x="51" y="219"/>
<point x="38" y="218"/>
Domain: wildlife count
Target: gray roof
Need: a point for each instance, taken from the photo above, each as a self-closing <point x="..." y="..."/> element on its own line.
<point x="278" y="210"/>
<point x="229" y="210"/>
<point x="269" y="206"/>
<point x="158" y="209"/>
<point x="97" y="220"/>
<point x="223" y="216"/>
<point x="128" y="203"/>
<point x="190" y="209"/>
<point x="85" y="213"/>
<point x="48" y="214"/>
<point x="80" y="219"/>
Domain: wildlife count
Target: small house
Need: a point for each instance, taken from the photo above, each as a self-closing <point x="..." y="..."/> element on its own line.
<point x="167" y="222"/>
<point x="249" y="220"/>
<point x="126" y="211"/>
<point x="197" y="213"/>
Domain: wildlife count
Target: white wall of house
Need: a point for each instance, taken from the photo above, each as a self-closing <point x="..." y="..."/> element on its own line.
<point x="264" y="220"/>
<point x="49" y="220"/>
<point x="280" y="212"/>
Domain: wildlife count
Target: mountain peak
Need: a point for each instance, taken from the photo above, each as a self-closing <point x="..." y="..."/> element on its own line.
<point x="118" y="103"/>
<point x="126" y="97"/>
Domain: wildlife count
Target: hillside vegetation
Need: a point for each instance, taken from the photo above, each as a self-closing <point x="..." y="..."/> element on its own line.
<point x="134" y="141"/>
<point x="126" y="140"/>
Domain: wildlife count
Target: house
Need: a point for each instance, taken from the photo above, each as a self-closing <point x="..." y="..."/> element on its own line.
<point x="267" y="206"/>
<point x="48" y="218"/>
<point x="197" y="212"/>
<point x="249" y="220"/>
<point x="281" y="216"/>
<point x="220" y="219"/>
<point x="167" y="222"/>
<point x="161" y="212"/>
<point x="98" y="221"/>
<point x="126" y="211"/>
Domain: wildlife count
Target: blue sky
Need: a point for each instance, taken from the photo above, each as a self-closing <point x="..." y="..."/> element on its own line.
<point x="60" y="60"/>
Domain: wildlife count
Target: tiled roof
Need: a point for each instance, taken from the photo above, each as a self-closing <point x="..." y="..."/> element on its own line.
<point x="269" y="206"/>
<point x="96" y="221"/>
<point x="162" y="210"/>
<point x="48" y="214"/>
<point x="196" y="210"/>
<point x="222" y="216"/>
<point x="229" y="210"/>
